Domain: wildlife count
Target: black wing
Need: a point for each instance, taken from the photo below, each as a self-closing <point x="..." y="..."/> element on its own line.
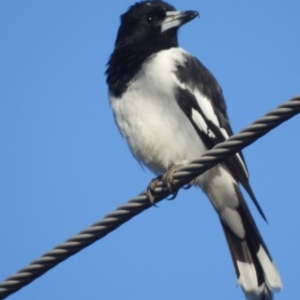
<point x="200" y="97"/>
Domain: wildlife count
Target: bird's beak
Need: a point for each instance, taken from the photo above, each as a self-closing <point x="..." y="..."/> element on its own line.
<point x="177" y="19"/>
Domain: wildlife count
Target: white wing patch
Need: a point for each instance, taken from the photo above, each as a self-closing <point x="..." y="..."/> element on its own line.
<point x="199" y="121"/>
<point x="207" y="109"/>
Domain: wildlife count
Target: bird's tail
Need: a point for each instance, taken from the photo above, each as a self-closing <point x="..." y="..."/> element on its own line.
<point x="256" y="272"/>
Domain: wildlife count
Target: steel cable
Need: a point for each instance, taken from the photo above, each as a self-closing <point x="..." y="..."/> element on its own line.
<point x="140" y="203"/>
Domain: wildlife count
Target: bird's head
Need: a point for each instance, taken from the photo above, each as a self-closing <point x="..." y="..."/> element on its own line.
<point x="151" y="24"/>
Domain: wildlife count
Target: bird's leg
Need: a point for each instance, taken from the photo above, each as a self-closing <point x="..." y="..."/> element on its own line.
<point x="151" y="187"/>
<point x="168" y="180"/>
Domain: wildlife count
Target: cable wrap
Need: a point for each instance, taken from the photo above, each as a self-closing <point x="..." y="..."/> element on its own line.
<point x="140" y="203"/>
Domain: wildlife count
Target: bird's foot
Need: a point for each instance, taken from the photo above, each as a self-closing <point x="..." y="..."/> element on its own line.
<point x="151" y="187"/>
<point x="168" y="180"/>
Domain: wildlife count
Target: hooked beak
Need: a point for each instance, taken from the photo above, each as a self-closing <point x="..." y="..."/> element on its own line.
<point x="175" y="19"/>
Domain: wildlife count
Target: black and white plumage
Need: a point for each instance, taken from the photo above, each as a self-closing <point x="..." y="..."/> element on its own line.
<point x="170" y="109"/>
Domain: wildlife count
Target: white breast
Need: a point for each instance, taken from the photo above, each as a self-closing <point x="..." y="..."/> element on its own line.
<point x="148" y="116"/>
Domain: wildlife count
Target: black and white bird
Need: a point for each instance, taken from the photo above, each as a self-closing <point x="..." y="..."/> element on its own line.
<point x="170" y="109"/>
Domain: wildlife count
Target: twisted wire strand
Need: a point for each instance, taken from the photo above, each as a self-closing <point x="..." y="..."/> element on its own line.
<point x="140" y="203"/>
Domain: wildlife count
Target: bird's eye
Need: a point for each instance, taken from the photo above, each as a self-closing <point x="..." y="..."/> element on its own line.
<point x="150" y="19"/>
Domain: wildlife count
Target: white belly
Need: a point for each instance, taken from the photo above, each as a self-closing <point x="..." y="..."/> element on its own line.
<point x="158" y="132"/>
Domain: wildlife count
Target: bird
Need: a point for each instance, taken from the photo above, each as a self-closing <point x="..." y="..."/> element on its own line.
<point x="170" y="109"/>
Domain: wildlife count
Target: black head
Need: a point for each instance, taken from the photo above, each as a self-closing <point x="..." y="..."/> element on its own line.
<point x="146" y="28"/>
<point x="151" y="24"/>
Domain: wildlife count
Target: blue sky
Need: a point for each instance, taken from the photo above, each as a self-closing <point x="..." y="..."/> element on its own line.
<point x="64" y="165"/>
